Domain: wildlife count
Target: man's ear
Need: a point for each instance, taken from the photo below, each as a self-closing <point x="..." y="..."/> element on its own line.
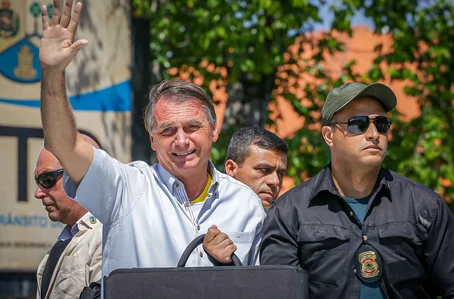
<point x="153" y="146"/>
<point x="231" y="168"/>
<point x="327" y="133"/>
<point x="215" y="133"/>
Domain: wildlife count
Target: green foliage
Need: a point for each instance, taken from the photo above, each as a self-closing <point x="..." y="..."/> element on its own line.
<point x="243" y="36"/>
<point x="252" y="39"/>
<point x="422" y="149"/>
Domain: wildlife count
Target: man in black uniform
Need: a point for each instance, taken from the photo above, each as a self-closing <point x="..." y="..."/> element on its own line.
<point x="362" y="231"/>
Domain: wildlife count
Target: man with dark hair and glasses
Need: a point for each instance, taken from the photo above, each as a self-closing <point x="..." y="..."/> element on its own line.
<point x="75" y="259"/>
<point x="360" y="230"/>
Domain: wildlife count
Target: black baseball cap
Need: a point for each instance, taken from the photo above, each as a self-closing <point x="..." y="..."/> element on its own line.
<point x="340" y="96"/>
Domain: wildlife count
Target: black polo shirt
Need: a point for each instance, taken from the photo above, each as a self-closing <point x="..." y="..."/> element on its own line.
<point x="409" y="225"/>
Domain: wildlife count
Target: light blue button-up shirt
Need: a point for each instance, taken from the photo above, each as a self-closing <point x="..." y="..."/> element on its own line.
<point x="148" y="219"/>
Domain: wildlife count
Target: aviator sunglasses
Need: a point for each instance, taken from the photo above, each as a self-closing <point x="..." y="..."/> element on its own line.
<point x="48" y="179"/>
<point x="360" y="124"/>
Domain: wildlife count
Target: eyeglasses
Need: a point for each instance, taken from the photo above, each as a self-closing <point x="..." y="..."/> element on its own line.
<point x="360" y="124"/>
<point x="48" y="179"/>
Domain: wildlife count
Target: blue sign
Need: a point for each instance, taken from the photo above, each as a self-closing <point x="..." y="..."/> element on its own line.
<point x="20" y="62"/>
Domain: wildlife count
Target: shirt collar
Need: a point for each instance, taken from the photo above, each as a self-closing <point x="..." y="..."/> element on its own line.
<point x="87" y="221"/>
<point x="170" y="180"/>
<point x="384" y="177"/>
<point x="324" y="182"/>
<point x="167" y="178"/>
<point x="215" y="175"/>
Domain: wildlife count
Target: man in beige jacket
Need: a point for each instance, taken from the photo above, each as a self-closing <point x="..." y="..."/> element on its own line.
<point x="75" y="260"/>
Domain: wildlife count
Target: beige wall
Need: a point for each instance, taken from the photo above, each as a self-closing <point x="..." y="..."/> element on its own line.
<point x="98" y="84"/>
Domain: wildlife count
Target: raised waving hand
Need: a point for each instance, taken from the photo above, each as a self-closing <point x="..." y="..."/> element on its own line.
<point x="58" y="47"/>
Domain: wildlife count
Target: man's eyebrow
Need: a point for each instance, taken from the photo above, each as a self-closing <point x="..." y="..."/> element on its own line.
<point x="166" y="125"/>
<point x="193" y="122"/>
<point x="171" y="124"/>
<point x="263" y="164"/>
<point x="283" y="169"/>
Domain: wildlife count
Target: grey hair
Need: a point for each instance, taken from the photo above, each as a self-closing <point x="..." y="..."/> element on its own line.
<point x="177" y="91"/>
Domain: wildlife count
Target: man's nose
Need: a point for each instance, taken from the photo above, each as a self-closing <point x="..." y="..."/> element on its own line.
<point x="39" y="193"/>
<point x="181" y="138"/>
<point x="372" y="132"/>
<point x="273" y="179"/>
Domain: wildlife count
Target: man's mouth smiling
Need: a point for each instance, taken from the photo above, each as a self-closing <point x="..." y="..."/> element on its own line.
<point x="183" y="154"/>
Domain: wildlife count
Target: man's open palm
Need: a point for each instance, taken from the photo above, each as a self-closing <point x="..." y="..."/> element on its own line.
<point x="58" y="48"/>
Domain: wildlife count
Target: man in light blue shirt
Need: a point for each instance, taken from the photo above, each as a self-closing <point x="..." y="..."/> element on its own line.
<point x="150" y="213"/>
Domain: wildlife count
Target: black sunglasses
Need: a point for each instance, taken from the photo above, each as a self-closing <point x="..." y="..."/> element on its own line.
<point x="360" y="124"/>
<point x="48" y="179"/>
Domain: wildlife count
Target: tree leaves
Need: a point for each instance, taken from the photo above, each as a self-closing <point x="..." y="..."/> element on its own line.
<point x="261" y="47"/>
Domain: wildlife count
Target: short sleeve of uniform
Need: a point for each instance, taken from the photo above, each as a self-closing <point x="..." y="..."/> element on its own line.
<point x="109" y="187"/>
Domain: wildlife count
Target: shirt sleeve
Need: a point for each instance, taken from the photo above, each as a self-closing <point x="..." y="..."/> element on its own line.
<point x="440" y="250"/>
<point x="279" y="245"/>
<point x="108" y="189"/>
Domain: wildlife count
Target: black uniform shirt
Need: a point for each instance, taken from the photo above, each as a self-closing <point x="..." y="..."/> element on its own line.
<point x="409" y="225"/>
